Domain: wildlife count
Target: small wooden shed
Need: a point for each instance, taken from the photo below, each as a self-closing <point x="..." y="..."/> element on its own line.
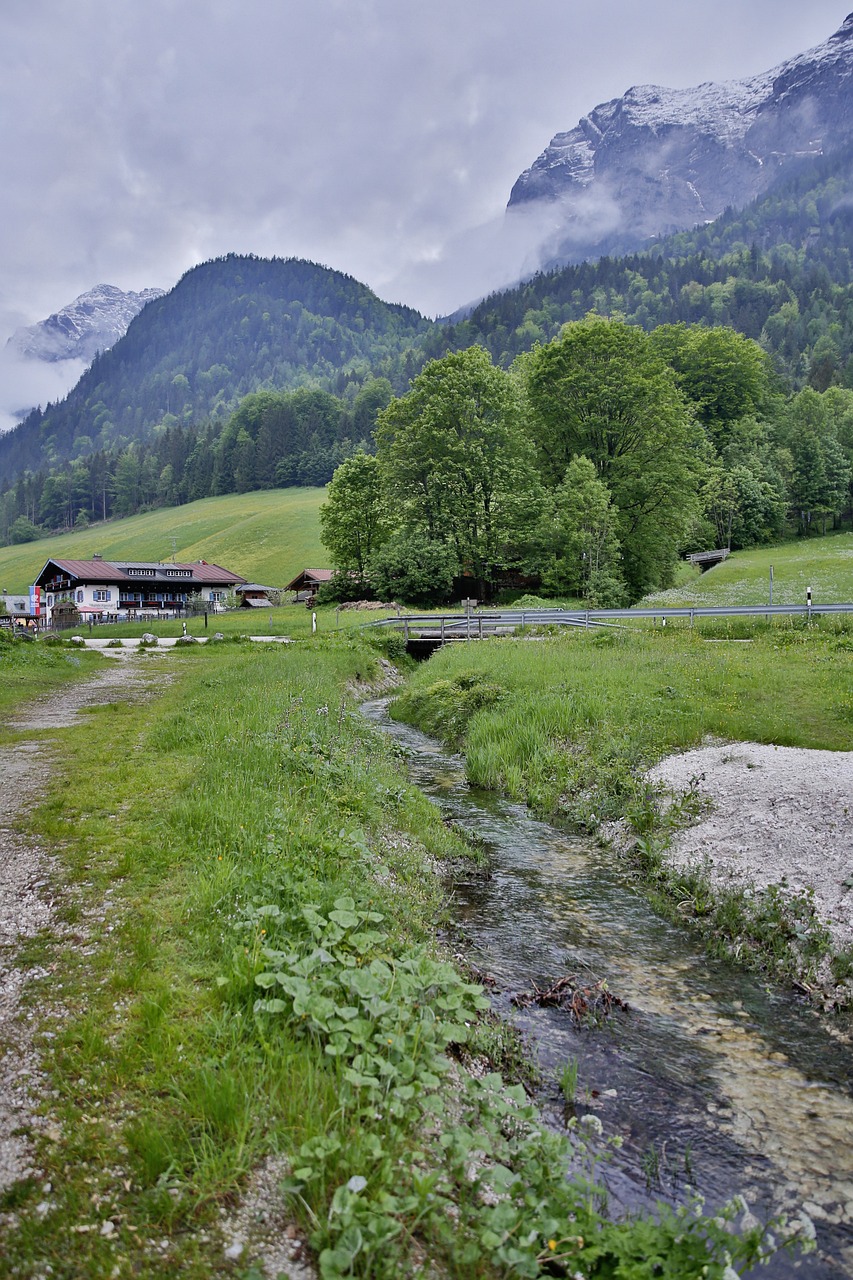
<point x="307" y="583"/>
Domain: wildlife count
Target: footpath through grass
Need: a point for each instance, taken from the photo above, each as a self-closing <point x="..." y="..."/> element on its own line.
<point x="570" y="724"/>
<point x="245" y="964"/>
<point x="29" y="669"/>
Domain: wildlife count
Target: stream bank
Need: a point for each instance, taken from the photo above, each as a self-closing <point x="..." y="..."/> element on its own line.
<point x="714" y="1082"/>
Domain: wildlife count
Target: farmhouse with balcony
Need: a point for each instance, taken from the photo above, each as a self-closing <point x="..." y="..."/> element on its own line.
<point x="98" y="589"/>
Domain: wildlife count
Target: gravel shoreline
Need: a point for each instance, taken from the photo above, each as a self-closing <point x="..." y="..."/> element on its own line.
<point x="774" y="812"/>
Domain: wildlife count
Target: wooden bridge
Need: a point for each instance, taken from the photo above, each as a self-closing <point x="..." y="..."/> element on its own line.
<point x="707" y="559"/>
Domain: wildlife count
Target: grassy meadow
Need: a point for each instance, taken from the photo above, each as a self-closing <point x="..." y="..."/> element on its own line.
<point x="824" y="564"/>
<point x="266" y="537"/>
<point x="246" y="965"/>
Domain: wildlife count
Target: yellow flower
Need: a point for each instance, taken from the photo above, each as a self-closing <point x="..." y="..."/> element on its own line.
<point x="552" y="1244"/>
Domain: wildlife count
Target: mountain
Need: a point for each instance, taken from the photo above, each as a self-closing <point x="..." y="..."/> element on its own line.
<point x="779" y="271"/>
<point x="91" y="323"/>
<point x="229" y="327"/>
<point x="659" y="160"/>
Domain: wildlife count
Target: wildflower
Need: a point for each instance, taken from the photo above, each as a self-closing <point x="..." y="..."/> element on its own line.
<point x="356" y="1183"/>
<point x="552" y="1244"/>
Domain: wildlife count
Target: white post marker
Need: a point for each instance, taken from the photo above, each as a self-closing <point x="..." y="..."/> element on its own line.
<point x="313" y="623"/>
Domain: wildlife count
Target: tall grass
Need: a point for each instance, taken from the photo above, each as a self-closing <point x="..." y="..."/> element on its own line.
<point x="572" y="720"/>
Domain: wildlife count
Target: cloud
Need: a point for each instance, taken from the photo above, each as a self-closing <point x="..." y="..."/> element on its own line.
<point x="26" y="384"/>
<point x="381" y="137"/>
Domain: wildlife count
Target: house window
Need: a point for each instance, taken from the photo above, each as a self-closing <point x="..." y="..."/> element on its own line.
<point x="79" y="597"/>
<point x="101" y="595"/>
<point x="217" y="597"/>
<point x="50" y="602"/>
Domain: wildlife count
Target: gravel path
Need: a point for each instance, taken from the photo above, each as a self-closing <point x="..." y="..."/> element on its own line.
<point x="774" y="812"/>
<point x="26" y="893"/>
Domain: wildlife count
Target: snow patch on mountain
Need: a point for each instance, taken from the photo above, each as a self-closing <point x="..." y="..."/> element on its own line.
<point x="91" y="323"/>
<point x="659" y="159"/>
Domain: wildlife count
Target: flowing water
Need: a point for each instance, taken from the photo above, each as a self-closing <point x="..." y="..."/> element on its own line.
<point x="714" y="1080"/>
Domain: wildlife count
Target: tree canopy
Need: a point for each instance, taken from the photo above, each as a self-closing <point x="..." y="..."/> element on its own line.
<point x="456" y="462"/>
<point x="602" y="392"/>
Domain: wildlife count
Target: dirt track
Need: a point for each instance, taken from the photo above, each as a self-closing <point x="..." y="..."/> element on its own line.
<point x="28" y="887"/>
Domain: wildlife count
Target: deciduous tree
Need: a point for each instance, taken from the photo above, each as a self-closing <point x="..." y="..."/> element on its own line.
<point x="353" y="519"/>
<point x="600" y="390"/>
<point x="456" y="463"/>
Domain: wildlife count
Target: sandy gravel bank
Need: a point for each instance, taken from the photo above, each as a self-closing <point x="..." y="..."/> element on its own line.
<point x="774" y="812"/>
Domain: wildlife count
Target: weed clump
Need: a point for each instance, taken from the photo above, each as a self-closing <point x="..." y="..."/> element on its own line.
<point x="446" y="707"/>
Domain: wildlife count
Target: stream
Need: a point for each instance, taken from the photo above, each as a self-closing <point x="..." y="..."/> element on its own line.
<point x="715" y="1081"/>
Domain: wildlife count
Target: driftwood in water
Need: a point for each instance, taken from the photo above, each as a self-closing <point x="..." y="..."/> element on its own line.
<point x="586" y="1002"/>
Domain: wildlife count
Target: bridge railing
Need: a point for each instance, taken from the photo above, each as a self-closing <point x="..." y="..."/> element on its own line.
<point x="488" y="621"/>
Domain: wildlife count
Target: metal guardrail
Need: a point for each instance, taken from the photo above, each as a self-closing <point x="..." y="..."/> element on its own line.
<point x="488" y="622"/>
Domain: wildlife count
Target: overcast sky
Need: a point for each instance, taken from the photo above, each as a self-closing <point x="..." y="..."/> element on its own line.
<point x="380" y="137"/>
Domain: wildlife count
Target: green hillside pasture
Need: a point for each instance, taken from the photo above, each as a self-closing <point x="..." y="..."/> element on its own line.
<point x="824" y="564"/>
<point x="267" y="537"/>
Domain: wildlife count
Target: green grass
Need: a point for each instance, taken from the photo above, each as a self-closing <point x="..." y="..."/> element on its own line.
<point x="265" y="979"/>
<point x="569" y="724"/>
<point x="266" y="537"/>
<point x="292" y="620"/>
<point x="29" y="669"/>
<point x="824" y="564"/>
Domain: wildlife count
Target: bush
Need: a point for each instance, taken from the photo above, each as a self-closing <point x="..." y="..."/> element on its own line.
<point x="344" y="587"/>
<point x="410" y="567"/>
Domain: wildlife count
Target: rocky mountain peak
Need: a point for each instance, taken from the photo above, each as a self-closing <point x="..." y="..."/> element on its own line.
<point x="92" y="322"/>
<point x="659" y="160"/>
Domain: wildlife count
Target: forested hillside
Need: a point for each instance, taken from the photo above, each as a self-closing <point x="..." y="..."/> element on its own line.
<point x="779" y="271"/>
<point x="229" y="327"/>
<point x="254" y="374"/>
